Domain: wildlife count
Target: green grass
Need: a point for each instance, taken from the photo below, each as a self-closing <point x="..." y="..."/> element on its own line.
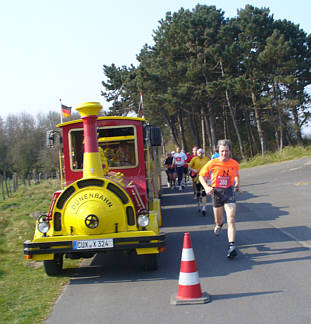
<point x="289" y="153"/>
<point x="27" y="294"/>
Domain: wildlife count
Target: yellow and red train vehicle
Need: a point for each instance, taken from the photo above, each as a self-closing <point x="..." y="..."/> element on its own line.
<point x="110" y="200"/>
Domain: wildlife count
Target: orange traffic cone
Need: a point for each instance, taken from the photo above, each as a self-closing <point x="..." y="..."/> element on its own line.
<point x="189" y="288"/>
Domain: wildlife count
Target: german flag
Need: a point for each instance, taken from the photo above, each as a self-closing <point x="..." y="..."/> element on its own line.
<point x="66" y="111"/>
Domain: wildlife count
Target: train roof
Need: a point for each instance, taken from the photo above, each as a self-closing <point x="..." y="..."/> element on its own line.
<point x="104" y="118"/>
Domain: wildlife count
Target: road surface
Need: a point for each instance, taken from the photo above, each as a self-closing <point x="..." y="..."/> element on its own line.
<point x="268" y="282"/>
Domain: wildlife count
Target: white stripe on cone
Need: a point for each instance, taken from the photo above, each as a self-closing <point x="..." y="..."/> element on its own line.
<point x="187" y="255"/>
<point x="188" y="279"/>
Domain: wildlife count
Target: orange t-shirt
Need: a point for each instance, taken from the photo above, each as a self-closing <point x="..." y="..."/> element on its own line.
<point x="223" y="173"/>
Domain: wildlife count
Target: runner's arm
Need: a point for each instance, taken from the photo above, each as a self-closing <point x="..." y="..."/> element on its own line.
<point x="237" y="184"/>
<point x="192" y="169"/>
<point x="208" y="189"/>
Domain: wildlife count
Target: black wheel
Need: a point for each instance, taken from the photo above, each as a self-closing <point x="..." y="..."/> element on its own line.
<point x="150" y="262"/>
<point x="54" y="267"/>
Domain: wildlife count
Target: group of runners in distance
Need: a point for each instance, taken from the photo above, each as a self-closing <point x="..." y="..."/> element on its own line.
<point x="218" y="177"/>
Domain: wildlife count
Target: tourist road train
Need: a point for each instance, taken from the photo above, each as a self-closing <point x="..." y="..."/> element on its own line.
<point x="110" y="197"/>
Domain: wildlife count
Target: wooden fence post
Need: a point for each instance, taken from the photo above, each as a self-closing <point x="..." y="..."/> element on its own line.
<point x="14" y="182"/>
<point x="2" y="185"/>
<point x="6" y="184"/>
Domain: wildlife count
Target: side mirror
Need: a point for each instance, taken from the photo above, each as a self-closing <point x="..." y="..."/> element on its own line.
<point x="50" y="138"/>
<point x="155" y="136"/>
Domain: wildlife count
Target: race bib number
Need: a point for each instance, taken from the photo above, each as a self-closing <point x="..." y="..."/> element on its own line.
<point x="178" y="159"/>
<point x="223" y="182"/>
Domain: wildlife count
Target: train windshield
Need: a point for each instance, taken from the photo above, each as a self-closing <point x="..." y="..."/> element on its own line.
<point x="117" y="146"/>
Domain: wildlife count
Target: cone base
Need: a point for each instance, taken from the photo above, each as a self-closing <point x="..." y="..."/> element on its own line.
<point x="175" y="300"/>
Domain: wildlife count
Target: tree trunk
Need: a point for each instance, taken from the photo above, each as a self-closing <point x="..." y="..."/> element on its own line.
<point x="232" y="115"/>
<point x="279" y="114"/>
<point x="259" y="126"/>
<point x="288" y="138"/>
<point x="235" y="125"/>
<point x="182" y="131"/>
<point x="250" y="136"/>
<point x="172" y="130"/>
<point x="194" y="129"/>
<point x="14" y="182"/>
<point x="203" y="130"/>
<point x="297" y="127"/>
<point x="208" y="133"/>
<point x="281" y="141"/>
<point x="211" y="120"/>
<point x="277" y="139"/>
<point x="225" y="123"/>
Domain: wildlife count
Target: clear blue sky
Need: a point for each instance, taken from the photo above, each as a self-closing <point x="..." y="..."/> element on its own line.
<point x="52" y="49"/>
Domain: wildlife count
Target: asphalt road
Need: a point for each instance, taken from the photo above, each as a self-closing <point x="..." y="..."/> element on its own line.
<point x="268" y="282"/>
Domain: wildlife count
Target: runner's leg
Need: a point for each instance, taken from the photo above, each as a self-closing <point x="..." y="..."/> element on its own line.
<point x="230" y="209"/>
<point x="194" y="187"/>
<point x="198" y="195"/>
<point x="180" y="172"/>
<point x="218" y="215"/>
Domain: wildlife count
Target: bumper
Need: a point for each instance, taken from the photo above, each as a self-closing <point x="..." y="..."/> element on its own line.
<point x="119" y="243"/>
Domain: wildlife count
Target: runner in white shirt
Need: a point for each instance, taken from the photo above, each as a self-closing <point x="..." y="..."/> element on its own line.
<point x="179" y="161"/>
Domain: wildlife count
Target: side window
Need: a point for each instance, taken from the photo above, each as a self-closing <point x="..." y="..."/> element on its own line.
<point x="77" y="149"/>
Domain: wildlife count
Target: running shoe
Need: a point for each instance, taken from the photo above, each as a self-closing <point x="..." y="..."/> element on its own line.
<point x="180" y="189"/>
<point x="204" y="211"/>
<point x="199" y="208"/>
<point x="232" y="252"/>
<point x="217" y="229"/>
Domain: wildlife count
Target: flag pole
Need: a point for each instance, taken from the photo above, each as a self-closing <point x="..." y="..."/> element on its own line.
<point x="61" y="112"/>
<point x="141" y="106"/>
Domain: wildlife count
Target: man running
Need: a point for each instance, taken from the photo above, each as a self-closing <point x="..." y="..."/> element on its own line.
<point x="195" y="166"/>
<point x="192" y="174"/>
<point x="224" y="173"/>
<point x="170" y="170"/>
<point x="179" y="161"/>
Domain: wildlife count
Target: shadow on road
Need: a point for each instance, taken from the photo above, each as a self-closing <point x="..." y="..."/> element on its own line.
<point x="180" y="215"/>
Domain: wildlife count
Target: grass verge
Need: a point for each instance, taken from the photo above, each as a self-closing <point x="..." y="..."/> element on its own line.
<point x="289" y="153"/>
<point x="27" y="294"/>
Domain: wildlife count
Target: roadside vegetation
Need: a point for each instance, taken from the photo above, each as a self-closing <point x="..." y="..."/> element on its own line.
<point x="26" y="293"/>
<point x="289" y="153"/>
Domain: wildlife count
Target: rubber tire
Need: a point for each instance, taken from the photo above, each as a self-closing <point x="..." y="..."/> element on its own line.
<point x="150" y="262"/>
<point x="54" y="267"/>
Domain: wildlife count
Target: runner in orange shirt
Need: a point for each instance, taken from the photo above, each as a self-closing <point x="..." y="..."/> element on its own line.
<point x="224" y="174"/>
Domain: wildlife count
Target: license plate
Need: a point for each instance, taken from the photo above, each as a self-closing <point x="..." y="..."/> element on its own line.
<point x="93" y="244"/>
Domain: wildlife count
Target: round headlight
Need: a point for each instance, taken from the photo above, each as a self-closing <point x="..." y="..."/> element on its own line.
<point x="43" y="227"/>
<point x="143" y="220"/>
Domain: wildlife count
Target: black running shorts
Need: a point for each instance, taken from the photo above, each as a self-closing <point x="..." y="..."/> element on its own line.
<point x="223" y="196"/>
<point x="199" y="188"/>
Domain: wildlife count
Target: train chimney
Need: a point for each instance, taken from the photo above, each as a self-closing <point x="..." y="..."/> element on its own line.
<point x="92" y="164"/>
